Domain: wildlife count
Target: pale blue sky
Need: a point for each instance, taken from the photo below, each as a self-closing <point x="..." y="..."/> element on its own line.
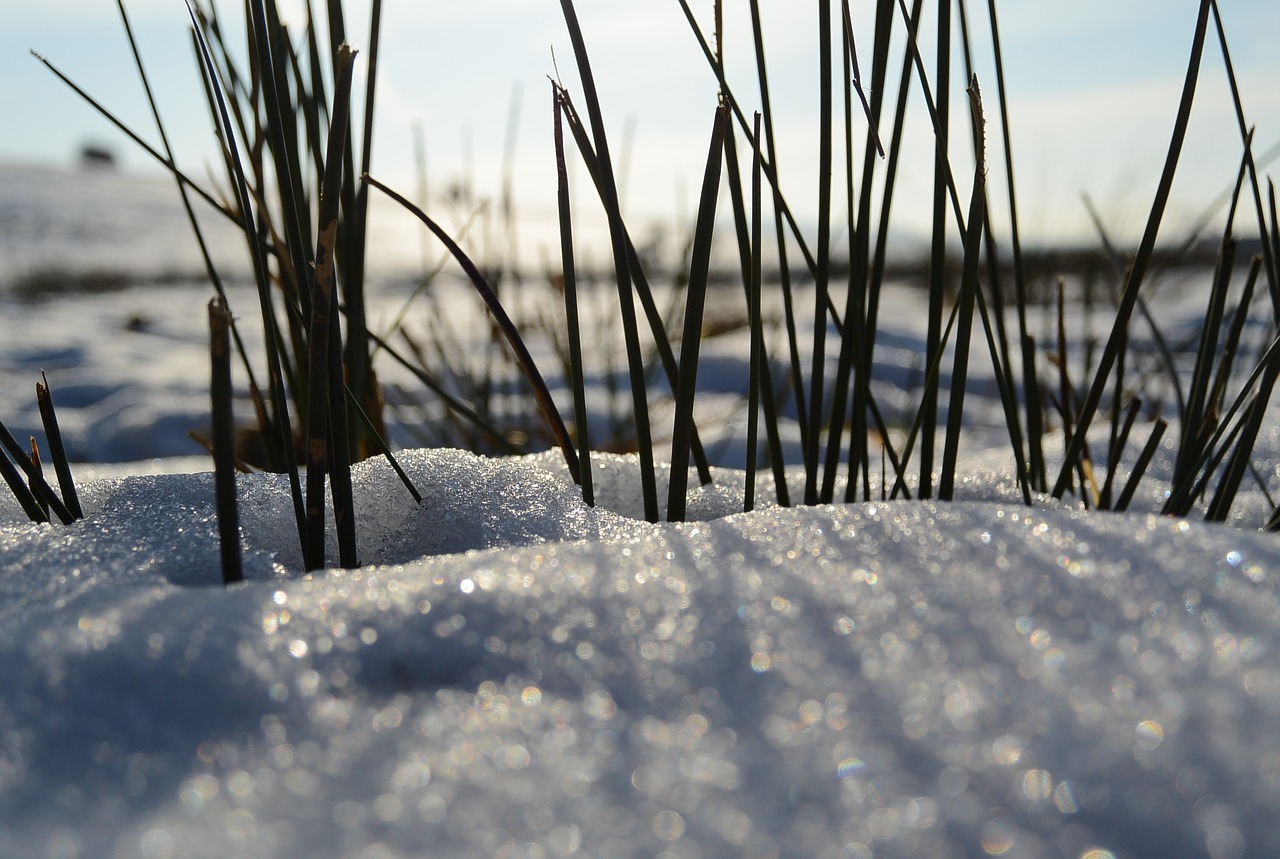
<point x="1094" y="86"/>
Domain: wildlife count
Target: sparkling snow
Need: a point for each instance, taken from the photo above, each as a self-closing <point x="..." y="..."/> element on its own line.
<point x="519" y="675"/>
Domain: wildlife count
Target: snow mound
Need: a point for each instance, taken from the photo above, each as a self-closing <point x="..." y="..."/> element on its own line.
<point x="526" y="676"/>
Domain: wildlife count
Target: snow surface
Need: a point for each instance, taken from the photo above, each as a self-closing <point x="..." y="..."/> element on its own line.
<point x="517" y="674"/>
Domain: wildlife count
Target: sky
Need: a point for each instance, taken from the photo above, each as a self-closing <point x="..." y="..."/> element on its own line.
<point x="1093" y="88"/>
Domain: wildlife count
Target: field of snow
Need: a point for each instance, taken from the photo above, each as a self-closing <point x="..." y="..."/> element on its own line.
<point x="514" y="674"/>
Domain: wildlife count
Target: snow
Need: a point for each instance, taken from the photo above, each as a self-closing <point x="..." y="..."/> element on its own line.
<point x="516" y="674"/>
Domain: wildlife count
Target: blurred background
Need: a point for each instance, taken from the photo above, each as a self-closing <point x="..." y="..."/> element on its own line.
<point x="463" y="94"/>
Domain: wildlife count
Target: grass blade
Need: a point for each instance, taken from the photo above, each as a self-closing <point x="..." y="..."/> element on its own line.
<point x="21" y="491"/>
<point x="760" y="378"/>
<point x="759" y="369"/>
<point x="1129" y="295"/>
<point x="622" y="267"/>
<point x="41" y="493"/>
<point x="57" y="450"/>
<point x="1140" y="467"/>
<point x="968" y="291"/>
<point x="822" y="273"/>
<point x="224" y="468"/>
<point x="281" y="425"/>
<point x="326" y="412"/>
<point x="938" y="247"/>
<point x="699" y="269"/>
<point x="643" y="291"/>
<point x="1030" y="380"/>
<point x="576" y="365"/>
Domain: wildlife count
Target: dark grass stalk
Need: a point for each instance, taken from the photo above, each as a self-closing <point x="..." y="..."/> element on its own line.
<point x="281" y="424"/>
<point x="572" y="323"/>
<point x="1194" y="426"/>
<point x="1213" y="467"/>
<point x="312" y="119"/>
<point x="1129" y="295"/>
<point x="782" y="210"/>
<point x="224" y="468"/>
<point x="1119" y="441"/>
<point x="359" y="354"/>
<point x="858" y="334"/>
<point x="1123" y="267"/>
<point x="759" y="375"/>
<point x="1068" y="402"/>
<point x="40" y="491"/>
<point x="272" y="67"/>
<point x="21" y="490"/>
<point x="1030" y="379"/>
<point x="873" y="131"/>
<point x="780" y="237"/>
<point x="1005" y="390"/>
<point x="938" y="245"/>
<point x="381" y="444"/>
<point x="1183" y="493"/>
<point x="914" y="57"/>
<point x="1119" y="432"/>
<point x="57" y="450"/>
<point x="767" y="166"/>
<point x="969" y="287"/>
<point x="1140" y="467"/>
<point x="1231" y="343"/>
<point x="1270" y="250"/>
<point x="822" y="273"/>
<point x="183" y="193"/>
<point x="1229" y="484"/>
<point x="855" y="299"/>
<point x="164" y="162"/>
<point x="878" y="261"/>
<point x="342" y="373"/>
<point x="1238" y="462"/>
<point x="452" y="402"/>
<point x="654" y="318"/>
<point x="38" y="465"/>
<point x="324" y="411"/>
<point x="932" y="372"/>
<point x="690" y="344"/>
<point x="864" y="286"/>
<point x="344" y="509"/>
<point x="622" y="266"/>
<point x="508" y="328"/>
<point x="998" y="342"/>
<point x="759" y="369"/>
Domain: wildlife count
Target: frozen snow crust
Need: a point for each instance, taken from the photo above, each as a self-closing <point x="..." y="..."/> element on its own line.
<point x="518" y="675"/>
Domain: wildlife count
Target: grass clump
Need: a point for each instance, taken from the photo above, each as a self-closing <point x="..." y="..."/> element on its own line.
<point x="285" y="119"/>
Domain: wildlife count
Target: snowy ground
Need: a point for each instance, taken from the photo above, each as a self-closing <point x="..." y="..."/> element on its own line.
<point x="513" y="674"/>
<point x="518" y="675"/>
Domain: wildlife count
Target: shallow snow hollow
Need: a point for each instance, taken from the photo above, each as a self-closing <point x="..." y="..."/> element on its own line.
<point x="519" y="675"/>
